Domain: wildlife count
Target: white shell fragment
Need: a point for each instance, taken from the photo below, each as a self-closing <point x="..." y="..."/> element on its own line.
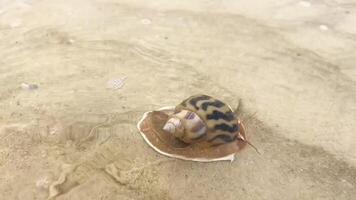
<point x="116" y="83"/>
<point x="43" y="182"/>
<point x="323" y="27"/>
<point x="305" y="3"/>
<point x="146" y="21"/>
<point x="29" y="86"/>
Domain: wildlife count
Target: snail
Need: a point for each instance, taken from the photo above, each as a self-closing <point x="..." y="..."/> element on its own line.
<point x="200" y="128"/>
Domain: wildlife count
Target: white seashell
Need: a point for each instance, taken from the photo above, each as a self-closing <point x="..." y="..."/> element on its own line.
<point x="305" y="3"/>
<point x="29" y="86"/>
<point x="43" y="182"/>
<point x="116" y="83"/>
<point x="323" y="27"/>
<point x="146" y="21"/>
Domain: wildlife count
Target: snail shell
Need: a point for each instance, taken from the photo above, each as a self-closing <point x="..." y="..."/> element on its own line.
<point x="186" y="126"/>
<point x="201" y="128"/>
<point x="203" y="118"/>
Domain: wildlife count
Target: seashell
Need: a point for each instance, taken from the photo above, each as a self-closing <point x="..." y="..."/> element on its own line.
<point x="29" y="87"/>
<point x="201" y="128"/>
<point x="186" y="126"/>
<point x="116" y="83"/>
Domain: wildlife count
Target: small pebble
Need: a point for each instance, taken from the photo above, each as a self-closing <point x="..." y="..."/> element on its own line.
<point x="43" y="154"/>
<point x="305" y="3"/>
<point x="30" y="86"/>
<point x="146" y="21"/>
<point x="323" y="27"/>
<point x="53" y="130"/>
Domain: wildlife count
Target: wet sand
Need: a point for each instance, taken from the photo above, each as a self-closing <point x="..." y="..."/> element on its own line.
<point x="292" y="63"/>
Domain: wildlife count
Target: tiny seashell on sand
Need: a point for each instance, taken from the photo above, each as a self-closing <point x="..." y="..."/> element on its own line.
<point x="29" y="86"/>
<point x="116" y="83"/>
<point x="305" y="3"/>
<point x="189" y="131"/>
<point x="43" y="182"/>
<point x="323" y="27"/>
<point x="146" y="21"/>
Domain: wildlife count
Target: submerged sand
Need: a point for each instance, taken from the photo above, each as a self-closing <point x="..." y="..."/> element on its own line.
<point x="291" y="62"/>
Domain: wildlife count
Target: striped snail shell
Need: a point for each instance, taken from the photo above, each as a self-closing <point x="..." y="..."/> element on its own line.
<point x="203" y="118"/>
<point x="186" y="126"/>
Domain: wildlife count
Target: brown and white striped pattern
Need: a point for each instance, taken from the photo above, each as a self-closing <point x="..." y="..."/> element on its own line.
<point x="218" y="118"/>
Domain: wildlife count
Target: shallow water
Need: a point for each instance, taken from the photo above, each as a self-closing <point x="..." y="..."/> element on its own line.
<point x="76" y="76"/>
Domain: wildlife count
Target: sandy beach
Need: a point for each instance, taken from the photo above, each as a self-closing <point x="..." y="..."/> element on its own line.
<point x="76" y="76"/>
